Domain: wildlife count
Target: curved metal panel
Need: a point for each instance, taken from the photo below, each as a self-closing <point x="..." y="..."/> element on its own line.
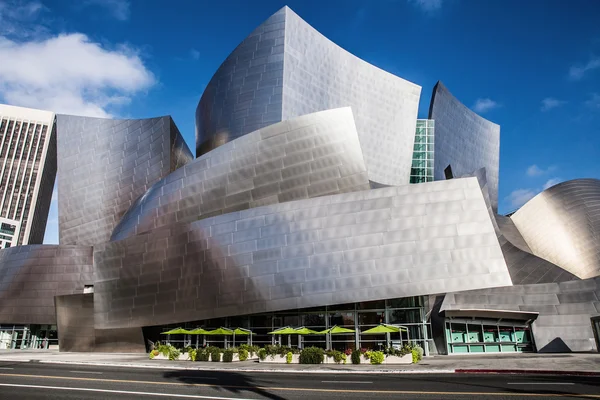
<point x="564" y="309"/>
<point x="319" y="74"/>
<point x="105" y="165"/>
<point x="464" y="140"/>
<point x="523" y="266"/>
<point x="562" y="225"/>
<point x="285" y="69"/>
<point x="244" y="94"/>
<point x="30" y="277"/>
<point x="309" y="156"/>
<point x="382" y="243"/>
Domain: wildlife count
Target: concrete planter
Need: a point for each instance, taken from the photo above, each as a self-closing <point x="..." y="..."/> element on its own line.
<point x="281" y="359"/>
<point x="220" y="359"/>
<point x="184" y="357"/>
<point x="160" y="357"/>
<point x="330" y="360"/>
<point x="405" y="359"/>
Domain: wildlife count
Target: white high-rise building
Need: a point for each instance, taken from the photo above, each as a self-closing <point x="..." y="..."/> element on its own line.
<point x="27" y="173"/>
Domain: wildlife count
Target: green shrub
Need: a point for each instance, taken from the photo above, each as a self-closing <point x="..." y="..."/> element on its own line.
<point x="202" y="355"/>
<point x="243" y="354"/>
<point x="288" y="357"/>
<point x="164" y="349"/>
<point x="311" y="355"/>
<point x="228" y="355"/>
<point x="192" y="353"/>
<point x="173" y="353"/>
<point x="262" y="354"/>
<point x="356" y="357"/>
<point x="215" y="353"/>
<point x="417" y="354"/>
<point x="253" y="349"/>
<point x="338" y="357"/>
<point x="377" y="357"/>
<point x="153" y="353"/>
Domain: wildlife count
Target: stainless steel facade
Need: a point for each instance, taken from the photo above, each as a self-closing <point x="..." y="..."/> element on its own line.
<point x="286" y="69"/>
<point x="464" y="140"/>
<point x="309" y="156"/>
<point x="30" y="277"/>
<point x="384" y="243"/>
<point x="562" y="225"/>
<point x="105" y="165"/>
<point x="564" y="309"/>
<point x="280" y="212"/>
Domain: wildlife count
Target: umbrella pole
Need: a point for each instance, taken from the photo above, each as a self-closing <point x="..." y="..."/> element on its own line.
<point x="197" y="341"/>
<point x="289" y="340"/>
<point x="233" y="339"/>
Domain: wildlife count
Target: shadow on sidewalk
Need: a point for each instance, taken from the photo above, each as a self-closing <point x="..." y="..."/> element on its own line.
<point x="226" y="381"/>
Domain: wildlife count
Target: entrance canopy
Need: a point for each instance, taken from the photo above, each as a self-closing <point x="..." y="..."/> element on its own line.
<point x="494" y="314"/>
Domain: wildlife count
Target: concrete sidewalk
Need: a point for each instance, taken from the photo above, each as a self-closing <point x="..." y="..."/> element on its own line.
<point x="580" y="363"/>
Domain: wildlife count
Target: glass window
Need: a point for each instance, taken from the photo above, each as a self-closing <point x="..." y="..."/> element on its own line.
<point x="345" y="319"/>
<point x="371" y="305"/>
<point x="405" y="302"/>
<point x="371" y="318"/>
<point x="459" y="333"/>
<point x="475" y="333"/>
<point x="490" y="334"/>
<point x="507" y="334"/>
<point x="404" y="316"/>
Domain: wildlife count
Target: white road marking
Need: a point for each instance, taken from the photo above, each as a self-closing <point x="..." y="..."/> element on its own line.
<point x="185" y="396"/>
<point x="6" y="368"/>
<point x="346" y="382"/>
<point x="540" y="383"/>
<point x="86" y="372"/>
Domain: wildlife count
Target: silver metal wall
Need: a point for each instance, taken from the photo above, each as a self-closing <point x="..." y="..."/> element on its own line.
<point x="562" y="225"/>
<point x="383" y="243"/>
<point x="104" y="165"/>
<point x="464" y="140"/>
<point x="309" y="156"/>
<point x="564" y="308"/>
<point x="76" y="332"/>
<point x="285" y="69"/>
<point x="30" y="277"/>
<point x="523" y="266"/>
<point x="245" y="93"/>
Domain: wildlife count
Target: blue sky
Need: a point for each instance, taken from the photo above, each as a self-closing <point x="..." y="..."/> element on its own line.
<point x="531" y="66"/>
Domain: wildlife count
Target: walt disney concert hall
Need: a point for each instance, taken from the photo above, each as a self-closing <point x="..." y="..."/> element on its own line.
<point x="316" y="198"/>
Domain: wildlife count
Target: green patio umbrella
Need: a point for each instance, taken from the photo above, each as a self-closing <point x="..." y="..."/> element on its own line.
<point x="221" y="331"/>
<point x="285" y="331"/>
<point x="176" y="331"/>
<point x="242" y="331"/>
<point x="383" y="328"/>
<point x="198" y="332"/>
<point x="305" y="331"/>
<point x="335" y="330"/>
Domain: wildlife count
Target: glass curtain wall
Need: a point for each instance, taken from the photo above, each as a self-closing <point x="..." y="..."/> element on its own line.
<point x="488" y="336"/>
<point x="409" y="312"/>
<point x="28" y="337"/>
<point x="422" y="163"/>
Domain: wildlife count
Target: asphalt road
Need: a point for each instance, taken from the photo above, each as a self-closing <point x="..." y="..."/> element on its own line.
<point x="61" y="381"/>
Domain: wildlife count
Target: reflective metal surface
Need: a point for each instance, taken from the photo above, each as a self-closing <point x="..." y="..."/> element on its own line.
<point x="30" y="277"/>
<point x="76" y="332"/>
<point x="464" y="140"/>
<point x="285" y="69"/>
<point x="383" y="243"/>
<point x="523" y="266"/>
<point x="309" y="156"/>
<point x="564" y="310"/>
<point x="562" y="225"/>
<point x="105" y="165"/>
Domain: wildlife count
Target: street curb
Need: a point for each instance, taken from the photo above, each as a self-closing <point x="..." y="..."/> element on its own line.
<point x="526" y="371"/>
<point x="273" y="370"/>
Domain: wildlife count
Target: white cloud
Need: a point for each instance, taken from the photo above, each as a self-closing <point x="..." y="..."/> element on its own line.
<point x="550" y="102"/>
<point x="427" y="5"/>
<point x="519" y="197"/>
<point x="70" y="74"/>
<point x="577" y="72"/>
<point x="534" y="170"/>
<point x="484" y="105"/>
<point x="594" y="101"/>
<point x="120" y="9"/>
<point x="551" y="182"/>
<point x="195" y="54"/>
